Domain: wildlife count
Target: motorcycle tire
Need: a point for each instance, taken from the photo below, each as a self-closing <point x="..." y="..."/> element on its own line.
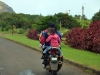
<point x="53" y="72"/>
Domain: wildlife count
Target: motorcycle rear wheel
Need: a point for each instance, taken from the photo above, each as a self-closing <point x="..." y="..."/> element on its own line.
<point x="53" y="72"/>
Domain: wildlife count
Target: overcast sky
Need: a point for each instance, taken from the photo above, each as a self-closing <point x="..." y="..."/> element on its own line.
<point x="50" y="7"/>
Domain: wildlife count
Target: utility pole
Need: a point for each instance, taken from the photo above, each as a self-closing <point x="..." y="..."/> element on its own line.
<point x="83" y="15"/>
<point x="60" y="26"/>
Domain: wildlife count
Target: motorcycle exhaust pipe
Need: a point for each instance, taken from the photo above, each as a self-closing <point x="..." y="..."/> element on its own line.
<point x="60" y="62"/>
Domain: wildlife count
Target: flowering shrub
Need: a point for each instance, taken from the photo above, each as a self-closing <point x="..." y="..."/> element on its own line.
<point x="75" y="38"/>
<point x="33" y="34"/>
<point x="95" y="29"/>
<point x="82" y="38"/>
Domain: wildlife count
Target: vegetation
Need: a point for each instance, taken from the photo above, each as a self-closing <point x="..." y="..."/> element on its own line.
<point x="26" y="21"/>
<point x="7" y="20"/>
<point x="67" y="21"/>
<point x="33" y="34"/>
<point x="84" y="23"/>
<point x="45" y="21"/>
<point x="96" y="16"/>
<point x="86" y="38"/>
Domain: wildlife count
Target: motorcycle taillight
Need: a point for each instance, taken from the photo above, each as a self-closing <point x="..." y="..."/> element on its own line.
<point x="54" y="51"/>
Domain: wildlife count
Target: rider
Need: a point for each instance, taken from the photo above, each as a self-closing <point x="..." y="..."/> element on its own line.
<point x="44" y="35"/>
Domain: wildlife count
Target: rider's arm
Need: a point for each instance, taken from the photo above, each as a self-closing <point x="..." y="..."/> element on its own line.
<point x="48" y="39"/>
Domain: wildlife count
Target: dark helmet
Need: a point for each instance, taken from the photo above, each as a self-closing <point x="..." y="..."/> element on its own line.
<point x="52" y="25"/>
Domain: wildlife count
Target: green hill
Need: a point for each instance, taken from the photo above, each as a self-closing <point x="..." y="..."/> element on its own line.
<point x="5" y="8"/>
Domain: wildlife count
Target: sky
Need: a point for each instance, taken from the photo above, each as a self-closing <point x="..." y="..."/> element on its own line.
<point x="50" y="7"/>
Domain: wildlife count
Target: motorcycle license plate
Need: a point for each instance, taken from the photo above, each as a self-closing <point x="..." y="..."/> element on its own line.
<point x="54" y="58"/>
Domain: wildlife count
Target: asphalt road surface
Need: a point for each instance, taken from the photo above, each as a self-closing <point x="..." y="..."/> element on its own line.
<point x="16" y="59"/>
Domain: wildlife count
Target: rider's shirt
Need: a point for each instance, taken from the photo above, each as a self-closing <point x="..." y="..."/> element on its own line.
<point x="54" y="40"/>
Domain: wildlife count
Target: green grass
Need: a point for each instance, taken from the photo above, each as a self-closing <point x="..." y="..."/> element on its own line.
<point x="83" y="57"/>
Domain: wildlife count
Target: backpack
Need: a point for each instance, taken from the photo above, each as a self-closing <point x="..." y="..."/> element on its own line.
<point x="42" y="37"/>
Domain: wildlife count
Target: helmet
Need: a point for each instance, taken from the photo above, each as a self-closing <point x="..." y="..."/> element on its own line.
<point x="52" y="25"/>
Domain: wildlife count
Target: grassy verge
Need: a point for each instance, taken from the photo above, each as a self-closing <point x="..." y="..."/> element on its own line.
<point x="83" y="57"/>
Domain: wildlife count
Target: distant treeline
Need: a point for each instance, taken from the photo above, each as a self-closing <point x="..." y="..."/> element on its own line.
<point x="27" y="21"/>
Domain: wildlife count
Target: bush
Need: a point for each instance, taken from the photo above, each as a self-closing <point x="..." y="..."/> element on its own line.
<point x="95" y="30"/>
<point x="75" y="38"/>
<point x="82" y="38"/>
<point x="33" y="34"/>
<point x="65" y="32"/>
<point x="21" y="31"/>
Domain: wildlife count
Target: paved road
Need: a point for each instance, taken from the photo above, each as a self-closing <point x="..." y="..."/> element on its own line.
<point x="16" y="59"/>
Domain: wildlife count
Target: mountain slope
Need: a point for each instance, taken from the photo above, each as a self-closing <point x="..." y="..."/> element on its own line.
<point x="5" y="8"/>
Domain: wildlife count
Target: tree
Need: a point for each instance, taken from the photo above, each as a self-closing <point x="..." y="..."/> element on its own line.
<point x="45" y="21"/>
<point x="96" y="16"/>
<point x="67" y="21"/>
<point x="78" y="17"/>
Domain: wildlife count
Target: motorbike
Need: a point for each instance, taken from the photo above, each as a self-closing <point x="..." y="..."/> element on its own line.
<point x="53" y="60"/>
